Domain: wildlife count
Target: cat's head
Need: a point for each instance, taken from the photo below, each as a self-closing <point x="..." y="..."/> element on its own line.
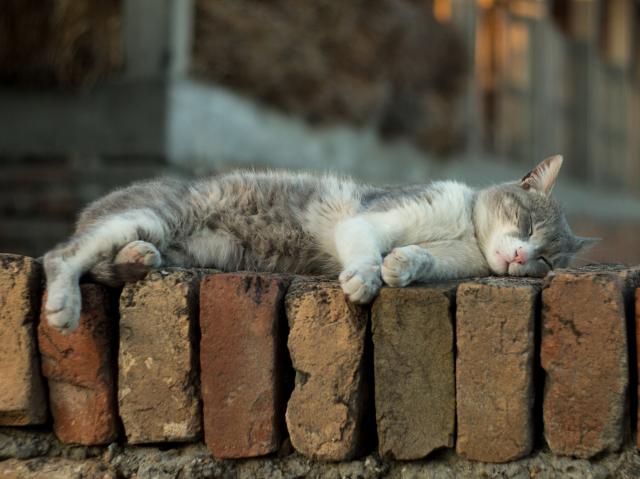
<point x="521" y="228"/>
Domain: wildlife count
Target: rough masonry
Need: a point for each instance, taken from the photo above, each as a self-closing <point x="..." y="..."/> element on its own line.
<point x="158" y="391"/>
<point x="243" y="363"/>
<point x="413" y="353"/>
<point x="80" y="371"/>
<point x="22" y="395"/>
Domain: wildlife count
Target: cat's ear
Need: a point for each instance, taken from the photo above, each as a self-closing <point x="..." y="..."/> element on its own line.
<point x="580" y="243"/>
<point x="543" y="177"/>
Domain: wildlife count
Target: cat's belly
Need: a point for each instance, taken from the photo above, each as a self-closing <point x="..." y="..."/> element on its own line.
<point x="259" y="251"/>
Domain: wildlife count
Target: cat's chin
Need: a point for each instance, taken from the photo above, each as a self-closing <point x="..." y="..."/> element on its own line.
<point x="499" y="266"/>
<point x="528" y="269"/>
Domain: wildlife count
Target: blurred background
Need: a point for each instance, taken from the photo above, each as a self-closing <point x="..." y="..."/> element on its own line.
<point x="97" y="94"/>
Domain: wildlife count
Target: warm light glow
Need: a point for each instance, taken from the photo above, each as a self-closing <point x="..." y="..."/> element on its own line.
<point x="528" y="8"/>
<point x="617" y="33"/>
<point x="486" y="4"/>
<point x="442" y="10"/>
<point x="518" y="62"/>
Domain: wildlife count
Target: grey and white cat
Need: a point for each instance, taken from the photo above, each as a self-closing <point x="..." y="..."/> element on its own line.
<point x="300" y="223"/>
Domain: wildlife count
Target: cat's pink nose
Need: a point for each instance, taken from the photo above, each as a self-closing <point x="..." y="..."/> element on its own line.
<point x="521" y="256"/>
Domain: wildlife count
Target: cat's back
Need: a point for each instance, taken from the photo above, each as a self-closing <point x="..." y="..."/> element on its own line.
<point x="253" y="192"/>
<point x="440" y="210"/>
<point x="436" y="196"/>
<point x="280" y="195"/>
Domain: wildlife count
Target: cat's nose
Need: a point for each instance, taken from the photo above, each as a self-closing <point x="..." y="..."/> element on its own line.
<point x="521" y="256"/>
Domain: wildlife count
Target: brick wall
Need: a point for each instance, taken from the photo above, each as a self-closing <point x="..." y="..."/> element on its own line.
<point x="518" y="371"/>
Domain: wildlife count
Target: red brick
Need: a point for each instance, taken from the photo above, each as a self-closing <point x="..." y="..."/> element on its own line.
<point x="242" y="368"/>
<point x="22" y="396"/>
<point x="414" y="370"/>
<point x="326" y="342"/>
<point x="80" y="369"/>
<point x="584" y="354"/>
<point x="495" y="330"/>
<point x="158" y="394"/>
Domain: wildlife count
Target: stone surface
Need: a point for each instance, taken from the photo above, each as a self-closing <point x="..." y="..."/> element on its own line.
<point x="327" y="347"/>
<point x="55" y="468"/>
<point x="22" y="396"/>
<point x="25" y="443"/>
<point x="414" y="370"/>
<point x="80" y="370"/>
<point x="584" y="354"/>
<point x="242" y="366"/>
<point x="158" y="393"/>
<point x="195" y="461"/>
<point x="495" y="328"/>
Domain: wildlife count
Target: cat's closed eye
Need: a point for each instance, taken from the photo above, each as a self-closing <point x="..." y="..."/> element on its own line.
<point x="526" y="224"/>
<point x="546" y="261"/>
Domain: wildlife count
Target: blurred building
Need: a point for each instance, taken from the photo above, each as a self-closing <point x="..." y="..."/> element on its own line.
<point x="562" y="75"/>
<point x="94" y="95"/>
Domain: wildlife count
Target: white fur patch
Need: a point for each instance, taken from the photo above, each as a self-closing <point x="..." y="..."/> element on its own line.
<point x="361" y="282"/>
<point x="403" y="265"/>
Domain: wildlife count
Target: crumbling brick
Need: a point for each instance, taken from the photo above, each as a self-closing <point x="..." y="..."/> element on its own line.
<point x="158" y="392"/>
<point x="22" y="397"/>
<point x="327" y="347"/>
<point x="637" y="348"/>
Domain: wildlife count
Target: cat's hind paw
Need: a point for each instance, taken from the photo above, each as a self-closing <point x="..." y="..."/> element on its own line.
<point x="62" y="308"/>
<point x="139" y="253"/>
<point x="361" y="283"/>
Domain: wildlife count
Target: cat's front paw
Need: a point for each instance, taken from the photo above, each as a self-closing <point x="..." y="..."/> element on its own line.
<point x="361" y="282"/>
<point x="403" y="265"/>
<point x="62" y="308"/>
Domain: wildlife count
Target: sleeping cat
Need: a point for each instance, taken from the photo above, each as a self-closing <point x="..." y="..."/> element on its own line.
<point x="300" y="223"/>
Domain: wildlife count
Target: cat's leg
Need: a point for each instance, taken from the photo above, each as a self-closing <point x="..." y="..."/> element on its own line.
<point x="442" y="260"/>
<point x="65" y="264"/>
<point x="360" y="253"/>
<point x="131" y="263"/>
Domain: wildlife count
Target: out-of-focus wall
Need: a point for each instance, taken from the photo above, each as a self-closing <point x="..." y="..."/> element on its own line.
<point x="562" y="76"/>
<point x="95" y="95"/>
<point x="388" y="64"/>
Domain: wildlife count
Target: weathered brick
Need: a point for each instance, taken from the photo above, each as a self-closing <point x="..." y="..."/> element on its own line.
<point x="242" y="363"/>
<point x="327" y="344"/>
<point x="414" y="370"/>
<point x="158" y="392"/>
<point x="80" y="370"/>
<point x="495" y="331"/>
<point x="22" y="397"/>
<point x="584" y="354"/>
<point x="637" y="326"/>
